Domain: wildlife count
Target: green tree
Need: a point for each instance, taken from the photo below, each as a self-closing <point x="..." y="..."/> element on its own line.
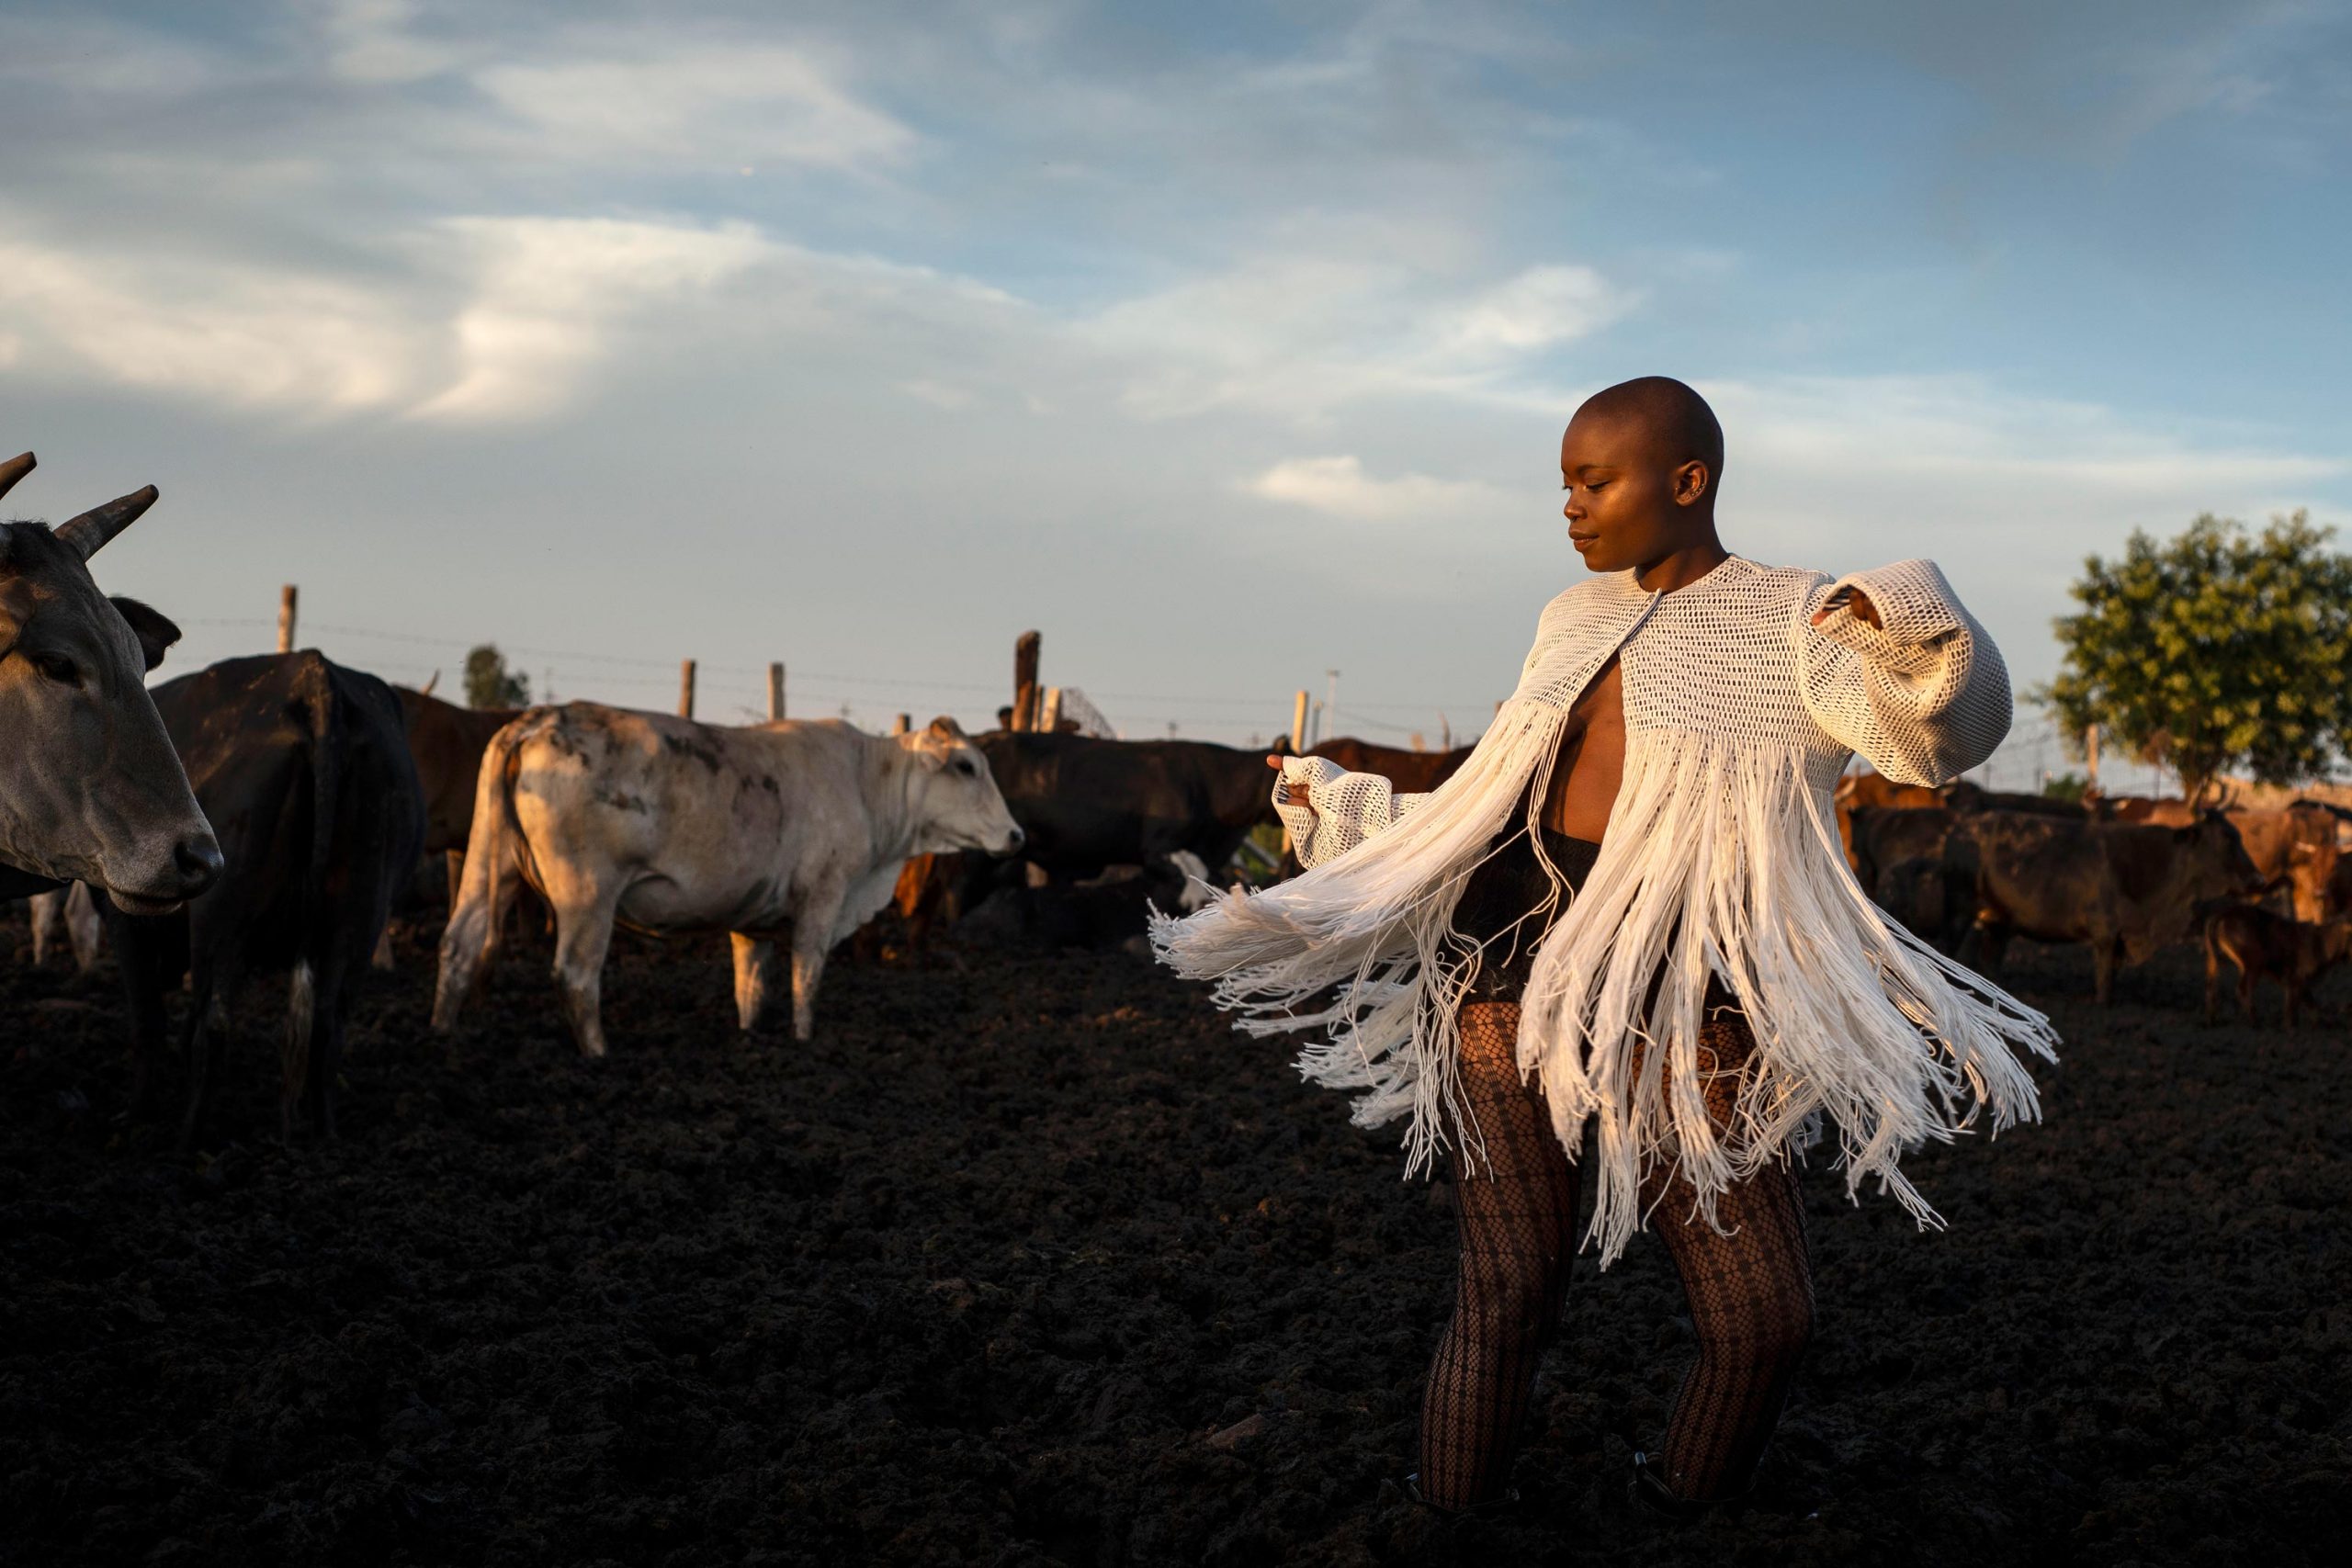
<point x="2218" y="649"/>
<point x="490" y="684"/>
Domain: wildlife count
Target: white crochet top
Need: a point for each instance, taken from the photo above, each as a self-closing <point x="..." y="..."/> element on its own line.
<point x="1721" y="859"/>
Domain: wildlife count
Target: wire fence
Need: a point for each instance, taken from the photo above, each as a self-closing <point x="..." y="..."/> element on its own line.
<point x="2036" y="751"/>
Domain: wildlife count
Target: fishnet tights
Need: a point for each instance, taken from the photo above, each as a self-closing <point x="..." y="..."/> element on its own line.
<point x="1750" y="1293"/>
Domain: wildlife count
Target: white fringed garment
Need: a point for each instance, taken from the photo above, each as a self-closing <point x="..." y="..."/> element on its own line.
<point x="1721" y="859"/>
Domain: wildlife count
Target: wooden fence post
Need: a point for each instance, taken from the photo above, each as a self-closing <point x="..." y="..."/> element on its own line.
<point x="686" y="688"/>
<point x="1024" y="681"/>
<point x="775" y="691"/>
<point x="2090" y="752"/>
<point x="1298" y="722"/>
<point x="286" y="619"/>
<point x="902" y="724"/>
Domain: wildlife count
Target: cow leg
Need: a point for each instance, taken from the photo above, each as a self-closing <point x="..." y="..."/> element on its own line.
<point x="2105" y="953"/>
<point x="2212" y="979"/>
<point x="383" y="955"/>
<point x="583" y="932"/>
<point x="752" y="957"/>
<point x="2293" y="990"/>
<point x="47" y="910"/>
<point x="208" y="1043"/>
<point x="297" y="1053"/>
<point x="456" y="862"/>
<point x="2245" y="994"/>
<point x="812" y="938"/>
<point x="83" y="927"/>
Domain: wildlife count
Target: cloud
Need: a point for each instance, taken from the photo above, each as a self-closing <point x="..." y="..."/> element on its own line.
<point x="550" y="293"/>
<point x="247" y="334"/>
<point x="1540" y="308"/>
<point x="1339" y="487"/>
<point x="722" y="105"/>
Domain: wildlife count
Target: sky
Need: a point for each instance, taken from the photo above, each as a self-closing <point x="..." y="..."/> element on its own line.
<point x="1226" y="345"/>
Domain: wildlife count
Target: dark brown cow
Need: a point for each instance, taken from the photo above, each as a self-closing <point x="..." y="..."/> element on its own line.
<point x="1965" y="797"/>
<point x="2294" y="952"/>
<point x="1868" y="790"/>
<point x="1882" y="836"/>
<point x="1408" y="773"/>
<point x="2126" y="890"/>
<point x="447" y="743"/>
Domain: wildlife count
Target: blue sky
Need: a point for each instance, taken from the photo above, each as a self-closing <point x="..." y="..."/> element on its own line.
<point x="1225" y="344"/>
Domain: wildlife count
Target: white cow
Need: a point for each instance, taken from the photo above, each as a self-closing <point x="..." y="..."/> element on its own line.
<point x="72" y="913"/>
<point x="674" y="826"/>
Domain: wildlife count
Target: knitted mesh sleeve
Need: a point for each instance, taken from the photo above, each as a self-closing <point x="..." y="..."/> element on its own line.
<point x="1923" y="696"/>
<point x="1349" y="809"/>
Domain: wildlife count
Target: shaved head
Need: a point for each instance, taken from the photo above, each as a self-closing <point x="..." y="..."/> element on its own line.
<point x="1670" y="414"/>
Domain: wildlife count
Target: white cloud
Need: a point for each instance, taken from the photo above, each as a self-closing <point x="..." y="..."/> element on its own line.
<point x="721" y="105"/>
<point x="247" y="334"/>
<point x="1339" y="487"/>
<point x="550" y="293"/>
<point x="1540" y="308"/>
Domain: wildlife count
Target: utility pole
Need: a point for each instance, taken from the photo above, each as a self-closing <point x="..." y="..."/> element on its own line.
<point x="1331" y="696"/>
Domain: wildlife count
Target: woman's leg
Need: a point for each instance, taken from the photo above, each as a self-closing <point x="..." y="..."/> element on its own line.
<point x="1751" y="1299"/>
<point x="1516" y="1196"/>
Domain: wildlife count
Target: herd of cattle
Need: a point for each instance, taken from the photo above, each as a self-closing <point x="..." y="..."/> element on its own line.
<point x="270" y="815"/>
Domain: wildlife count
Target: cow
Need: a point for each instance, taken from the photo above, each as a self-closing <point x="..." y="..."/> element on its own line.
<point x="1964" y="797"/>
<point x="2296" y="953"/>
<point x="1088" y="804"/>
<point x="446" y="742"/>
<point x="89" y="788"/>
<point x="1868" y="790"/>
<point x="1883" y="836"/>
<point x="666" y="825"/>
<point x="2125" y="888"/>
<point x="304" y="766"/>
<point x="2169" y="811"/>
<point x="1408" y="773"/>
<point x="2297" y="842"/>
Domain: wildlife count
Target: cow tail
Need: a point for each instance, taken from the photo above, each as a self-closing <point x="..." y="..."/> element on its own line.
<point x="494" y="828"/>
<point x="323" y="718"/>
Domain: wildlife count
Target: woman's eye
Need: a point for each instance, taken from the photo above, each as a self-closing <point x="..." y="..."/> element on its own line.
<point x="55" y="668"/>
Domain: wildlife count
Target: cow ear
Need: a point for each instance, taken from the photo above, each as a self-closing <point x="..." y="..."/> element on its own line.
<point x="154" y="629"/>
<point x="946" y="729"/>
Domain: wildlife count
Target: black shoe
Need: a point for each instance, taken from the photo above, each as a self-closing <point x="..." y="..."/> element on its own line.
<point x="1650" y="1490"/>
<point x="1508" y="1500"/>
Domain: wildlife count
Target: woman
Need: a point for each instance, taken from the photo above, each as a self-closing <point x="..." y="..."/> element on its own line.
<point x="1629" y="911"/>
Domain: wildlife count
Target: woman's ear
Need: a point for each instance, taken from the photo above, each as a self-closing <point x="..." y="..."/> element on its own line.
<point x="1691" y="482"/>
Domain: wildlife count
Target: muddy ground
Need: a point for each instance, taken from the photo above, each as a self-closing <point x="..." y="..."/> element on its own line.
<point x="1028" y="1260"/>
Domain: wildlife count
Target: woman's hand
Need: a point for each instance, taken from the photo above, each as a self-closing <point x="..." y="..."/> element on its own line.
<point x="1855" y="600"/>
<point x="1288" y="796"/>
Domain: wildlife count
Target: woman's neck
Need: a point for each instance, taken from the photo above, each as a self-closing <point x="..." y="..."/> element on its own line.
<point x="1680" y="569"/>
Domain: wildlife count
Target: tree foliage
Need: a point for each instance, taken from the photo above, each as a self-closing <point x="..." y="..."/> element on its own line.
<point x="490" y="684"/>
<point x="2218" y="649"/>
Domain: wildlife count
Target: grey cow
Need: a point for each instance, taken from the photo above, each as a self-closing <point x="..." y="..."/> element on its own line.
<point x="673" y="826"/>
<point x="90" y="788"/>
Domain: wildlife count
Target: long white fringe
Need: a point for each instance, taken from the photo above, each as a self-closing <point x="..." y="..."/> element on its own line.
<point x="1721" y="860"/>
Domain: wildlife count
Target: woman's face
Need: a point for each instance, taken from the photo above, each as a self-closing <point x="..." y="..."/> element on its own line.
<point x="1628" y="503"/>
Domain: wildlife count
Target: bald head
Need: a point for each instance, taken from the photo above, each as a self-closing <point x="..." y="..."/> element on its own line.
<point x="1670" y="413"/>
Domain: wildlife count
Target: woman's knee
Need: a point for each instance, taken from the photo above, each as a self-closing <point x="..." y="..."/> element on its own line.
<point x="1770" y="1328"/>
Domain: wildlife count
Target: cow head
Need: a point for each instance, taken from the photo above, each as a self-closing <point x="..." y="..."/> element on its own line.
<point x="957" y="805"/>
<point x="2218" y="863"/>
<point x="90" y="788"/>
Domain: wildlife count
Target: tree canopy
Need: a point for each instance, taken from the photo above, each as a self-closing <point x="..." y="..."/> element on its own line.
<point x="490" y="684"/>
<point x="2218" y="649"/>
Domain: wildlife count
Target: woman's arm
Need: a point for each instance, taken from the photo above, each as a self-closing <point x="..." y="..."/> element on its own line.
<point x="1893" y="666"/>
<point x="1330" y="811"/>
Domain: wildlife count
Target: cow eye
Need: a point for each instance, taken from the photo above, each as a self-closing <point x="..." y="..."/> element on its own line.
<point x="57" y="666"/>
<point x="964" y="766"/>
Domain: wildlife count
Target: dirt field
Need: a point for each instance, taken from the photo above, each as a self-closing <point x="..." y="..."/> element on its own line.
<point x="1031" y="1260"/>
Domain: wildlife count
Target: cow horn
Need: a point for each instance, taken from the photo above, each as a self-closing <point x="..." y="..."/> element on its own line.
<point x="427" y="690"/>
<point x="14" y="470"/>
<point x="88" y="534"/>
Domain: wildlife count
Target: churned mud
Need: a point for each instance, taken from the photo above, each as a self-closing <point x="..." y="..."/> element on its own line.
<point x="1028" y="1260"/>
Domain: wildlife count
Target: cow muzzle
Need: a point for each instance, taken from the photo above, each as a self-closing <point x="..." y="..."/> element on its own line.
<point x="1013" y="840"/>
<point x="196" y="866"/>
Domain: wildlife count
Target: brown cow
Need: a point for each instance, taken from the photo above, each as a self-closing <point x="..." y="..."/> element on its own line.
<point x="447" y="743"/>
<point x="2169" y="811"/>
<point x="2297" y="842"/>
<point x="2294" y="952"/>
<point x="1883" y="835"/>
<point x="2126" y="888"/>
